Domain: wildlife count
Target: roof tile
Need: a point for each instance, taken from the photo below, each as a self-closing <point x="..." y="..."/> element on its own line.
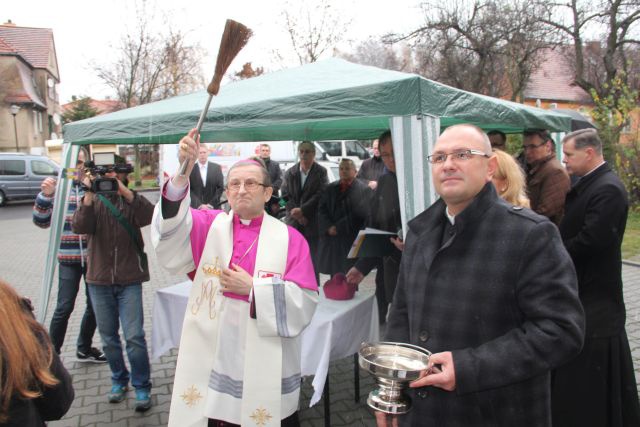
<point x="553" y="80"/>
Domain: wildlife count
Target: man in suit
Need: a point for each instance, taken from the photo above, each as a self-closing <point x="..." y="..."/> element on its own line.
<point x="206" y="182"/>
<point x="598" y="387"/>
<point x="302" y="187"/>
<point x="490" y="290"/>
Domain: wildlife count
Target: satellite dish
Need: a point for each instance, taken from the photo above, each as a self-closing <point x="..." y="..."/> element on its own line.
<point x="56" y="118"/>
<point x="54" y="135"/>
<point x="50" y="82"/>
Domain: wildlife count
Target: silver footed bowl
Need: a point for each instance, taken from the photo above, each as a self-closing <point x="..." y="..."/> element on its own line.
<point x="394" y="366"/>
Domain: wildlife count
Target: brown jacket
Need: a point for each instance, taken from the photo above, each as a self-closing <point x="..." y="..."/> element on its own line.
<point x="547" y="185"/>
<point x="112" y="256"/>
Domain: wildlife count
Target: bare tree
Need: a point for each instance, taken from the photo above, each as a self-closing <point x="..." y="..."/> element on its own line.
<point x="603" y="41"/>
<point x="314" y="28"/>
<point x="374" y="52"/>
<point x="150" y="66"/>
<point x="487" y="46"/>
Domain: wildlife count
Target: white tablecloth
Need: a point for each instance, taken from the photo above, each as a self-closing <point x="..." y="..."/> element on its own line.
<point x="335" y="332"/>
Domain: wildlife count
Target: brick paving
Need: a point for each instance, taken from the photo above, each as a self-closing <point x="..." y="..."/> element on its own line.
<point x="22" y="256"/>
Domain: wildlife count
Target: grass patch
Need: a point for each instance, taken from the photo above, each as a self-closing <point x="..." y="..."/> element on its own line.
<point x="631" y="240"/>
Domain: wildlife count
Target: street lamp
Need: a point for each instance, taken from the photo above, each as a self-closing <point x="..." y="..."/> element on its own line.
<point x="14" y="110"/>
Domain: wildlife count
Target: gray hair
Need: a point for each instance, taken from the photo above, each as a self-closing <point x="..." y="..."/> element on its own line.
<point x="585" y="138"/>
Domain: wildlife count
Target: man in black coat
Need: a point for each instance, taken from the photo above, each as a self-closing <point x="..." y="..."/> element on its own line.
<point x="597" y="388"/>
<point x="343" y="210"/>
<point x="273" y="167"/>
<point x="206" y="182"/>
<point x="490" y="290"/>
<point x="372" y="169"/>
<point x="302" y="187"/>
<point x="384" y="215"/>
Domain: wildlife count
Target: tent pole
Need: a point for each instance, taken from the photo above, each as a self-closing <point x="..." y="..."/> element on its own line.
<point x="55" y="231"/>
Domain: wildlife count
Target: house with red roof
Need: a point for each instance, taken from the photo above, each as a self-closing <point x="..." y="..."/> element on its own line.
<point x="30" y="111"/>
<point x="102" y="106"/>
<point x="551" y="87"/>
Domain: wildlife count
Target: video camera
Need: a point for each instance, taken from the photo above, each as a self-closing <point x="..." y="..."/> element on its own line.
<point x="104" y="163"/>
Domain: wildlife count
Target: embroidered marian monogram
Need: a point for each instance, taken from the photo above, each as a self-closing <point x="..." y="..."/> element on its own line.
<point x="261" y="416"/>
<point x="191" y="396"/>
<point x="208" y="291"/>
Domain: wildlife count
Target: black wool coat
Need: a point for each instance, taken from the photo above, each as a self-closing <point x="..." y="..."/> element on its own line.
<point x="592" y="229"/>
<point x="305" y="198"/>
<point x="499" y="291"/>
<point x="347" y="211"/>
<point x="206" y="194"/>
<point x="275" y="173"/>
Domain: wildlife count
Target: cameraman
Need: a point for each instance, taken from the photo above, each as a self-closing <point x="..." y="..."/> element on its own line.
<point x="116" y="268"/>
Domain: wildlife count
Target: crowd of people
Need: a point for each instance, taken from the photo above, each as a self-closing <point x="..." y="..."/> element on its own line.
<point x="512" y="279"/>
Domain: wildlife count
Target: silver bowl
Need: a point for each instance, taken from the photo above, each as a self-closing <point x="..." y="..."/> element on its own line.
<point x="394" y="365"/>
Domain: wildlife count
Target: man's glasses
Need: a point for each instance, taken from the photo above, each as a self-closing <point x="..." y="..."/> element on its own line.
<point x="532" y="146"/>
<point x="249" y="185"/>
<point x="462" y="155"/>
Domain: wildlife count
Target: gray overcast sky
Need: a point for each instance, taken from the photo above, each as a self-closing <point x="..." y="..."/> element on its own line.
<point x="86" y="31"/>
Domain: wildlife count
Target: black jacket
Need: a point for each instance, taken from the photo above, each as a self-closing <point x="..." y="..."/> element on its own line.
<point x="305" y="198"/>
<point x="499" y="291"/>
<point x="384" y="215"/>
<point x="371" y="169"/>
<point x="275" y="173"/>
<point x="209" y="194"/>
<point x="592" y="229"/>
<point x="347" y="211"/>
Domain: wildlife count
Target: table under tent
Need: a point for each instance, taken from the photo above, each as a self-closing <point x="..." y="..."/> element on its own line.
<point x="330" y="99"/>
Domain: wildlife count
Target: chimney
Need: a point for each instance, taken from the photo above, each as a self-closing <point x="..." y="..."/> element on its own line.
<point x="9" y="23"/>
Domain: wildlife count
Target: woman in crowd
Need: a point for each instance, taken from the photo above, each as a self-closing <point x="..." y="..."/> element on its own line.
<point x="34" y="386"/>
<point x="509" y="180"/>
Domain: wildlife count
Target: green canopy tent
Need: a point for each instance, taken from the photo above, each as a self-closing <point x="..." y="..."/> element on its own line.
<point x="331" y="99"/>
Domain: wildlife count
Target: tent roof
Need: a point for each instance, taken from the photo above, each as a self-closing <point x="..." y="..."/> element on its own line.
<point x="330" y="99"/>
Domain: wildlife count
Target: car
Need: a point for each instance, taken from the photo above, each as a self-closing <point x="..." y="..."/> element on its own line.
<point x="333" y="151"/>
<point x="21" y="175"/>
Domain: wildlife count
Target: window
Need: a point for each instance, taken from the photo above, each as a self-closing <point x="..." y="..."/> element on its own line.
<point x="12" y="167"/>
<point x="553" y="106"/>
<point x="332" y="148"/>
<point x="43" y="168"/>
<point x="626" y="127"/>
<point x="355" y="149"/>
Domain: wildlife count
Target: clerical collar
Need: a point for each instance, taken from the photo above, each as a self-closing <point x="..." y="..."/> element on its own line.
<point x="451" y="218"/>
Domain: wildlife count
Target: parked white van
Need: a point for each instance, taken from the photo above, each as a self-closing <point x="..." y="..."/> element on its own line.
<point x="339" y="149"/>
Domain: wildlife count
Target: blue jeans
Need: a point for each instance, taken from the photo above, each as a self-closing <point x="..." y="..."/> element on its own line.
<point x="69" y="276"/>
<point x="115" y="304"/>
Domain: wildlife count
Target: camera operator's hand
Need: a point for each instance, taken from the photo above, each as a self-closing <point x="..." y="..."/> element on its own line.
<point x="48" y="187"/>
<point x="124" y="191"/>
<point x="187" y="151"/>
<point x="87" y="200"/>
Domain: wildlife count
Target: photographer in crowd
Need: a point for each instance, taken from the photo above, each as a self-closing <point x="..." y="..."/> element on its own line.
<point x="111" y="216"/>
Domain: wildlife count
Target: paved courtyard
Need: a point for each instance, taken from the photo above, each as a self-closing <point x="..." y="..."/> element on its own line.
<point x="22" y="255"/>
